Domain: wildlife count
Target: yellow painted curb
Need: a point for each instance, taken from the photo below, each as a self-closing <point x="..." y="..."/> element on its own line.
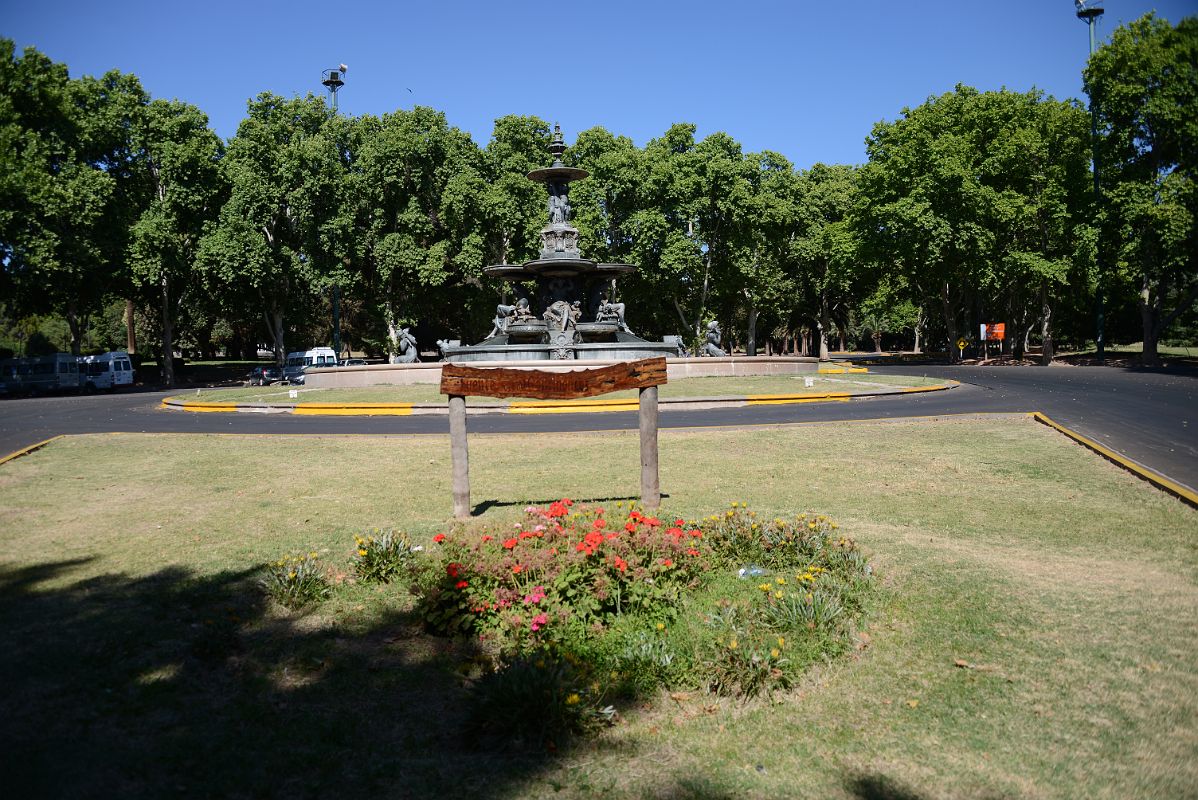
<point x="858" y="370"/>
<point x="353" y="409"/>
<point x="200" y="406"/>
<point x="24" y="451"/>
<point x="831" y="370"/>
<point x="782" y="399"/>
<point x="571" y="406"/>
<point x="1160" y="481"/>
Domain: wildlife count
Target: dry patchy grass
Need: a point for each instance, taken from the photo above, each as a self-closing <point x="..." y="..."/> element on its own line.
<point x="1034" y="638"/>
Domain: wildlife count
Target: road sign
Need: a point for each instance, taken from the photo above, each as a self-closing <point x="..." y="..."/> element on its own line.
<point x="961" y="343"/>
<point x="994" y="332"/>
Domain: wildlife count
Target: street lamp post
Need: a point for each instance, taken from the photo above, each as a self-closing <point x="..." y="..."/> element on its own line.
<point x="1089" y="13"/>
<point x="334" y="79"/>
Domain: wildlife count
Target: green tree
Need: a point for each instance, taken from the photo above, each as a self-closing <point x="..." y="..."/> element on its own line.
<point x="420" y="191"/>
<point x="180" y="159"/>
<point x="66" y="190"/>
<point x="271" y="247"/>
<point x="1143" y="87"/>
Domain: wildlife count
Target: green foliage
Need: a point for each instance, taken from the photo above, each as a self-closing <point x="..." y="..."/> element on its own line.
<point x="382" y="556"/>
<point x="295" y="581"/>
<point x="1143" y="87"/>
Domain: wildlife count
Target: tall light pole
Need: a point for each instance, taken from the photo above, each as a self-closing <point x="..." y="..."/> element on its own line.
<point x="1089" y="13"/>
<point x="333" y="79"/>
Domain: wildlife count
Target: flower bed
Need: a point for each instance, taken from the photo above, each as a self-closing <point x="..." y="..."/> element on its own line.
<point x="577" y="606"/>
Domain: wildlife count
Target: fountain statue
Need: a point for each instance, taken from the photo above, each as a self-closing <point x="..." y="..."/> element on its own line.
<point x="578" y="316"/>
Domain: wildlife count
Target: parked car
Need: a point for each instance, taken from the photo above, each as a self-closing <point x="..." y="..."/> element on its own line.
<point x="354" y="362"/>
<point x="264" y="376"/>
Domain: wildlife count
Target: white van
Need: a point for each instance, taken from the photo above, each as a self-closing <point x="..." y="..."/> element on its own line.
<point x="316" y="357"/>
<point x="106" y="371"/>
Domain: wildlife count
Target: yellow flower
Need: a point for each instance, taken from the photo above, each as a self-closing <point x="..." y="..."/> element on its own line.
<point x="661" y="626"/>
<point x="732" y="645"/>
<point x="780" y="580"/>
<point x="572" y="699"/>
<point x="312" y="554"/>
<point x="781" y="641"/>
<point x="291" y="575"/>
<point x="734" y="504"/>
<point x="765" y="587"/>
<point x="361" y="552"/>
<point x="811" y="525"/>
<point x="775" y="653"/>
<point x="777" y="595"/>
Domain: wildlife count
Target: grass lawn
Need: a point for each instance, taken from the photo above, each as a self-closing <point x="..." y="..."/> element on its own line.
<point x="686" y="387"/>
<point x="1034" y="636"/>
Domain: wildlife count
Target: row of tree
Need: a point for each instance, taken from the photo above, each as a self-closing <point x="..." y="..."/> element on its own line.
<point x="974" y="206"/>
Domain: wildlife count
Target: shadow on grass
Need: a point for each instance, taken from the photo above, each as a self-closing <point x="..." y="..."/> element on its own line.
<point x="487" y="505"/>
<point x="185" y="684"/>
<point x="878" y="787"/>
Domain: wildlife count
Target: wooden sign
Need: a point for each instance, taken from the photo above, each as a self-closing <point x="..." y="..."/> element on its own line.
<point x="503" y="382"/>
<point x="458" y="381"/>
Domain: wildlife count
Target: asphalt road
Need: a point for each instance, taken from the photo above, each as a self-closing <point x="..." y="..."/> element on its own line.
<point x="1148" y="416"/>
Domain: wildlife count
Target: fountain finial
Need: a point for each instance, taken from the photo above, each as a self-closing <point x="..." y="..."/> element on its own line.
<point x="557" y="146"/>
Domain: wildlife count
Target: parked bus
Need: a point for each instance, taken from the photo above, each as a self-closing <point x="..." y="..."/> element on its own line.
<point x="106" y="371"/>
<point x="40" y="374"/>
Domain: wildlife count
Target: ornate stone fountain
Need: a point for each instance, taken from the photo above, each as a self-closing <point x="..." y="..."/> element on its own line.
<point x="573" y="313"/>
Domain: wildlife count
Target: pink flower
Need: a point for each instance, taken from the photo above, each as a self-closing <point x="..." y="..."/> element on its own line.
<point x="539" y="621"/>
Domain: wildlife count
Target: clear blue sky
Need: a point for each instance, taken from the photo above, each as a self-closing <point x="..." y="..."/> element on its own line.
<point x="807" y="79"/>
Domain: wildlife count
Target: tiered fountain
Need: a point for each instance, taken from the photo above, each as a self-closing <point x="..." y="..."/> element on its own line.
<point x="573" y="314"/>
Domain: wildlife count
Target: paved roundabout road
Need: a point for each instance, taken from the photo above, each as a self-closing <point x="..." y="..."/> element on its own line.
<point x="1148" y="416"/>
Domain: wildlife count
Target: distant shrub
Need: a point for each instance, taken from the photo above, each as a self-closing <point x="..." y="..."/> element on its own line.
<point x="295" y="581"/>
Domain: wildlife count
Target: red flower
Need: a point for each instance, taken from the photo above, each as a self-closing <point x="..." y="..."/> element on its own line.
<point x="679" y="523"/>
<point x="621" y="564"/>
<point x="516" y="570"/>
<point x="451" y="569"/>
<point x="665" y="562"/>
<point x="652" y="522"/>
<point x="510" y="543"/>
<point x="630" y="527"/>
<point x="636" y="516"/>
<point x="440" y="537"/>
<point x="599" y="524"/>
<point x="461" y="585"/>
<point x="675" y="532"/>
<point x="697" y="534"/>
<point x="487" y="538"/>
<point x="692" y="552"/>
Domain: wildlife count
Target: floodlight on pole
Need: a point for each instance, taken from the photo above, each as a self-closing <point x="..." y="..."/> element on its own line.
<point x="333" y="79"/>
<point x="1089" y="13"/>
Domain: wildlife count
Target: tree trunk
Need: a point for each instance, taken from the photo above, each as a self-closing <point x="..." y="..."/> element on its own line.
<point x="168" y="345"/>
<point x="877" y="342"/>
<point x="274" y="324"/>
<point x="130" y="330"/>
<point x="751" y="344"/>
<point x="950" y="323"/>
<point x="76" y="326"/>
<point x="1045" y="326"/>
<point x="822" y="329"/>
<point x="1150" y="313"/>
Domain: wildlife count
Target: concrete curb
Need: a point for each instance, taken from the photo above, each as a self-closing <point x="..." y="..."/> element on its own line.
<point x="1178" y="490"/>
<point x="588" y="406"/>
<point x="24" y="451"/>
